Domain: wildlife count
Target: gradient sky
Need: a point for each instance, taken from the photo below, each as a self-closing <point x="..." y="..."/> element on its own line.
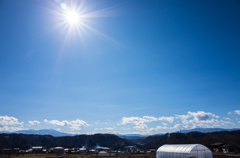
<point x="129" y="66"/>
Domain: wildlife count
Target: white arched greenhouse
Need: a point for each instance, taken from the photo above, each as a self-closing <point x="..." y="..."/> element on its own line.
<point x="184" y="151"/>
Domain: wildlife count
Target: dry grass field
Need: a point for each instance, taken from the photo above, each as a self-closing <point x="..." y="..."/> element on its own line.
<point x="78" y="156"/>
<point x="98" y="156"/>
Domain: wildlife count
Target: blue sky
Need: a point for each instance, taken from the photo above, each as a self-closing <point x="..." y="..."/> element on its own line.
<point x="133" y="66"/>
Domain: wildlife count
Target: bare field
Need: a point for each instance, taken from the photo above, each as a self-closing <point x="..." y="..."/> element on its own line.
<point x="78" y="156"/>
<point x="97" y="156"/>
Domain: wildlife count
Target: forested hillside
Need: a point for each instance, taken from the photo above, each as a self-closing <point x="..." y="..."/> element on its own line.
<point x="25" y="141"/>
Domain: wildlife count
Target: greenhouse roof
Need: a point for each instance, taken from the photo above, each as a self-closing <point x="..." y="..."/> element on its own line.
<point x="181" y="148"/>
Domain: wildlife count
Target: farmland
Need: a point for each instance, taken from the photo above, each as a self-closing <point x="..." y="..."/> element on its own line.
<point x="99" y="156"/>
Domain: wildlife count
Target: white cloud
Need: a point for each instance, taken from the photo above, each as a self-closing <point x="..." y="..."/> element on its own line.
<point x="58" y="129"/>
<point x="96" y="122"/>
<point x="131" y="133"/>
<point x="157" y="128"/>
<point x="188" y="121"/>
<point x="138" y="122"/>
<point x="238" y="121"/>
<point x="180" y="126"/>
<point x="141" y="122"/>
<point x="34" y="122"/>
<point x="177" y="126"/>
<point x="135" y="120"/>
<point x="128" y="128"/>
<point x="226" y="118"/>
<point x="113" y="132"/>
<point x="76" y="128"/>
<point x="150" y="118"/>
<point x="229" y="113"/>
<point x="109" y="128"/>
<point x="237" y="112"/>
<point x="11" y="128"/>
<point x="141" y="127"/>
<point x="183" y="118"/>
<point x="168" y="119"/>
<point x="9" y="121"/>
<point x="73" y="125"/>
<point x="165" y="124"/>
<point x="201" y="115"/>
<point x="202" y="119"/>
<point x="10" y="124"/>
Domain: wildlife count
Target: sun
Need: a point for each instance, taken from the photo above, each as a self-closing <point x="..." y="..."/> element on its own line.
<point x="72" y="17"/>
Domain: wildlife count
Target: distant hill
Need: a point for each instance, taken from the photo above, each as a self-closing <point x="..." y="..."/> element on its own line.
<point x="231" y="138"/>
<point x="125" y="136"/>
<point x="43" y="132"/>
<point x="132" y="136"/>
<point x="207" y="130"/>
<point x="25" y="141"/>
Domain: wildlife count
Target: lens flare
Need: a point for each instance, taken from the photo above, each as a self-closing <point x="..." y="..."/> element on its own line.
<point x="75" y="19"/>
<point x="72" y="17"/>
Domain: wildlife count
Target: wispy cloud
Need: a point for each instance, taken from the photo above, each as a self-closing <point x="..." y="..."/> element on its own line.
<point x="226" y="118"/>
<point x="237" y="112"/>
<point x="110" y="128"/>
<point x="165" y="124"/>
<point x="180" y="126"/>
<point x="168" y="119"/>
<point x="188" y="121"/>
<point x="141" y="123"/>
<point x="34" y="122"/>
<point x="73" y="125"/>
<point x="138" y="122"/>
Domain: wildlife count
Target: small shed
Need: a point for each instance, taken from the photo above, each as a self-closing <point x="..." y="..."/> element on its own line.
<point x="184" y="151"/>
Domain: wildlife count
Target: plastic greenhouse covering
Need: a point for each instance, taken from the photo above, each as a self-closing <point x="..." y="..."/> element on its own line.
<point x="184" y="151"/>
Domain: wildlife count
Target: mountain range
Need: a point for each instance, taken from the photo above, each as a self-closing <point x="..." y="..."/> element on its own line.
<point x="26" y="141"/>
<point x="42" y="132"/>
<point x="55" y="133"/>
<point x="208" y="130"/>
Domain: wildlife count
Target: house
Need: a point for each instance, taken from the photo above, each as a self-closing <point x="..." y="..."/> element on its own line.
<point x="92" y="151"/>
<point x="132" y="149"/>
<point x="68" y="150"/>
<point x="83" y="150"/>
<point x="220" y="147"/>
<point x="101" y="148"/>
<point x="37" y="149"/>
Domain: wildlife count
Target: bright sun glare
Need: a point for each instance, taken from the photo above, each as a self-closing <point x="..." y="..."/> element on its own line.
<point x="72" y="17"/>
